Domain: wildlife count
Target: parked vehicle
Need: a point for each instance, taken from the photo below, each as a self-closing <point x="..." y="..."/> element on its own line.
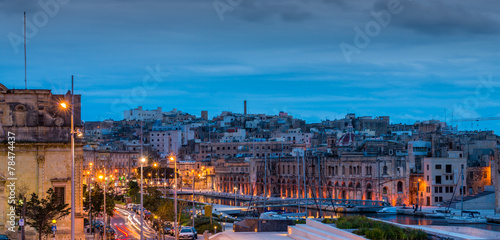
<point x="195" y="233"/>
<point x="4" y="237"/>
<point x="186" y="233"/>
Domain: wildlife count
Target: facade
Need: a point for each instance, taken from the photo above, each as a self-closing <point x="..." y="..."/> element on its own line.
<point x="166" y="141"/>
<point x="120" y="163"/>
<point x="442" y="179"/>
<point x="245" y="149"/>
<point x="355" y="176"/>
<point x="144" y="115"/>
<point x="42" y="150"/>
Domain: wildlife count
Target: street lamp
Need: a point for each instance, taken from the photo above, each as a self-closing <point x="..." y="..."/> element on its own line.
<point x="64" y="105"/>
<point x="143" y="160"/>
<point x="418" y="193"/>
<point x="192" y="172"/>
<point x="103" y="177"/>
<point x="90" y="199"/>
<point x="172" y="158"/>
<point x="235" y="188"/>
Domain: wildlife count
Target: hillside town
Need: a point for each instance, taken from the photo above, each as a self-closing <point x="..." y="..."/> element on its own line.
<point x="356" y="157"/>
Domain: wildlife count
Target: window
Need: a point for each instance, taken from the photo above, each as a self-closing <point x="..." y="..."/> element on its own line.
<point x="436" y="189"/>
<point x="436" y="199"/>
<point x="438" y="166"/>
<point x="438" y="179"/>
<point x="427" y="177"/>
<point x="427" y="166"/>
<point x="59" y="193"/>
<point x="400" y="187"/>
<point x="428" y="189"/>
<point x="385" y="170"/>
<point x="384" y="191"/>
<point x="448" y="168"/>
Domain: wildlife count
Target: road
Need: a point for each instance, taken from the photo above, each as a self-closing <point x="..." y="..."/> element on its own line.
<point x="127" y="226"/>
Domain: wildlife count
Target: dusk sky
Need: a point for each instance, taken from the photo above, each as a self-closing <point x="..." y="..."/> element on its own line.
<point x="315" y="59"/>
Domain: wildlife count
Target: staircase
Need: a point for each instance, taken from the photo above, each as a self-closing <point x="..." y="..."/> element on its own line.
<point x="317" y="230"/>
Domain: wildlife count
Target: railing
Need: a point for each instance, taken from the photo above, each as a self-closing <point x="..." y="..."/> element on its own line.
<point x="312" y="201"/>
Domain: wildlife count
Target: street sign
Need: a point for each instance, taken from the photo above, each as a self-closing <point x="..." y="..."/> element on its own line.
<point x="208" y="211"/>
<point x="21" y="222"/>
<point x="54" y="228"/>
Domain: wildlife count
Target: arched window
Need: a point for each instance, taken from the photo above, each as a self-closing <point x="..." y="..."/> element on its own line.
<point x="350" y="170"/>
<point x="384" y="191"/>
<point x="400" y="187"/>
<point x="385" y="170"/>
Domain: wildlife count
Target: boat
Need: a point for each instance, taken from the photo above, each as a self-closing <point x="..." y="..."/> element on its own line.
<point x="387" y="210"/>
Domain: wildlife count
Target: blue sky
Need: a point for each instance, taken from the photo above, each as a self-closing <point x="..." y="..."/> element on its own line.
<point x="428" y="59"/>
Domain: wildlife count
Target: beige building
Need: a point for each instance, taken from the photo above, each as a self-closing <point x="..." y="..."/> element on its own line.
<point x="442" y="178"/>
<point x="39" y="132"/>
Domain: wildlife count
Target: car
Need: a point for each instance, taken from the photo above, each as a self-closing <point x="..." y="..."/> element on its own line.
<point x="186" y="233"/>
<point x="4" y="237"/>
<point x="195" y="233"/>
<point x="110" y="233"/>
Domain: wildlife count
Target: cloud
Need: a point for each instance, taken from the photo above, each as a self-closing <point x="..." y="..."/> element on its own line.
<point x="442" y="18"/>
<point x="258" y="11"/>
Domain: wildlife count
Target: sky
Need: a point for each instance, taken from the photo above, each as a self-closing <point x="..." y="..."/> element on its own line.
<point x="315" y="59"/>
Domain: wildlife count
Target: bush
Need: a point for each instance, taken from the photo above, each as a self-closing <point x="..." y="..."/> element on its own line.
<point x="379" y="230"/>
<point x="375" y="234"/>
<point x="210" y="227"/>
<point x="329" y="220"/>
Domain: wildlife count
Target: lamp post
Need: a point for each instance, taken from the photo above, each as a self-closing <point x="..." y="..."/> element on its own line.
<point x="418" y="193"/>
<point x="90" y="200"/>
<point x="65" y="106"/>
<point x="172" y="158"/>
<point x="235" y="188"/>
<point x="193" y="196"/>
<point x="101" y="177"/>
<point x="143" y="160"/>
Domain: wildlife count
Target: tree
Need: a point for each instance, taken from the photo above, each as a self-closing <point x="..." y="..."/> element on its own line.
<point x="133" y="190"/>
<point x="98" y="201"/>
<point x="41" y="212"/>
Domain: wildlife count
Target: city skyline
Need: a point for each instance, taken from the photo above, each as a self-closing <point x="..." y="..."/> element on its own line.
<point x="279" y="56"/>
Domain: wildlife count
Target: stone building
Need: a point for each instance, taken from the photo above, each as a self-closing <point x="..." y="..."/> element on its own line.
<point x="353" y="176"/>
<point x="41" y="131"/>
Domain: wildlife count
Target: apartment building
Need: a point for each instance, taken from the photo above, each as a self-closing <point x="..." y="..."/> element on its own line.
<point x="442" y="178"/>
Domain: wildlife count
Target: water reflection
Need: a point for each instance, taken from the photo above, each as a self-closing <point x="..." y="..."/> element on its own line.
<point x="403" y="219"/>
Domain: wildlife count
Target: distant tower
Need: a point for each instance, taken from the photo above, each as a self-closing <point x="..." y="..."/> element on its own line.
<point x="245" y="106"/>
<point x="204" y="115"/>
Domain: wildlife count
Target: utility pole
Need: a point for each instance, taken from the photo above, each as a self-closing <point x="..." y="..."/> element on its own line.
<point x="298" y="182"/>
<point x="305" y="186"/>
<point x="320" y="193"/>
<point x="265" y="182"/>
<point x="193" y="199"/>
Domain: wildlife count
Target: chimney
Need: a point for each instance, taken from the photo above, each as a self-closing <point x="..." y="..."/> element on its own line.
<point x="245" y="105"/>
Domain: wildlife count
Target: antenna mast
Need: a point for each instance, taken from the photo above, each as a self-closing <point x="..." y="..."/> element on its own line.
<point x="25" y="78"/>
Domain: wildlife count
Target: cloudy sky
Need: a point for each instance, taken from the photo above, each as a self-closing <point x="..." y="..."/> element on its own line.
<point x="316" y="59"/>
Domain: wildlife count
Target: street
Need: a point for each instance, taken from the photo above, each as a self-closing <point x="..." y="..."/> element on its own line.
<point x="127" y="226"/>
